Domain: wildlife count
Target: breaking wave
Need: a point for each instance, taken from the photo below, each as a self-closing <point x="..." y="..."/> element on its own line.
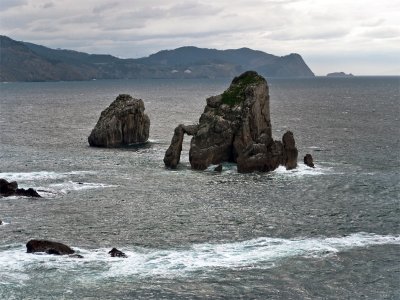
<point x="260" y="253"/>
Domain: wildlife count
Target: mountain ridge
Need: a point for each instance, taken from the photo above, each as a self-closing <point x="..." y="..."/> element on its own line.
<point x="24" y="61"/>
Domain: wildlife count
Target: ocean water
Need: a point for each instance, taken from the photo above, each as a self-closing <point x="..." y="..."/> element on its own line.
<point x="326" y="233"/>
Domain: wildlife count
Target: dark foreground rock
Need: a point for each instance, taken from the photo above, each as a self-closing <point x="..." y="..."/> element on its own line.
<point x="123" y="123"/>
<point x="236" y="127"/>
<point x="11" y="189"/>
<point x="114" y="252"/>
<point x="308" y="160"/>
<point x="48" y="247"/>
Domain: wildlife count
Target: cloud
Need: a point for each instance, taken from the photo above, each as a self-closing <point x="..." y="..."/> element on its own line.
<point x="128" y="29"/>
<point x="7" y="4"/>
<point x="385" y="32"/>
<point x="48" y="5"/>
<point x="105" y="7"/>
<point x="311" y="34"/>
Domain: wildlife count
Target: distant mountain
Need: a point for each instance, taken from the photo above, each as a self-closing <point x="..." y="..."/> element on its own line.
<point x="339" y="74"/>
<point x="22" y="61"/>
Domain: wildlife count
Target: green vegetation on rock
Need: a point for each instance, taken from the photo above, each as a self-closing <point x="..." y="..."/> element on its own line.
<point x="235" y="94"/>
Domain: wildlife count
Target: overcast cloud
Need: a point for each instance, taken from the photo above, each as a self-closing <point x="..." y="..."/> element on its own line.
<point x="358" y="36"/>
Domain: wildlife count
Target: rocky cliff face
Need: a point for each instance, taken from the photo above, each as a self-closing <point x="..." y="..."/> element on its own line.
<point x="121" y="124"/>
<point x="236" y="127"/>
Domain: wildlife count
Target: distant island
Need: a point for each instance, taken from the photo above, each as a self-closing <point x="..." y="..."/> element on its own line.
<point x="23" y="61"/>
<point x="339" y="74"/>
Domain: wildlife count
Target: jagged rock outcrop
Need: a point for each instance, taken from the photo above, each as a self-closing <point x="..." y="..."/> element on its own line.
<point x="123" y="123"/>
<point x="236" y="127"/>
<point x="48" y="247"/>
<point x="308" y="160"/>
<point x="11" y="189"/>
<point x="114" y="252"/>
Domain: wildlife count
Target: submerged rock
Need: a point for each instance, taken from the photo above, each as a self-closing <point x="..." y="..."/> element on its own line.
<point x="218" y="168"/>
<point x="123" y="123"/>
<point x="11" y="189"/>
<point x="114" y="252"/>
<point x="236" y="127"/>
<point x="308" y="161"/>
<point x="48" y="247"/>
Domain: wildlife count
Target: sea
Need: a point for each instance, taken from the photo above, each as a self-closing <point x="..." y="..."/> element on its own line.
<point x="329" y="232"/>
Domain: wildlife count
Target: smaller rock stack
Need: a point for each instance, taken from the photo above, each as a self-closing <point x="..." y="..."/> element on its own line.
<point x="123" y="123"/>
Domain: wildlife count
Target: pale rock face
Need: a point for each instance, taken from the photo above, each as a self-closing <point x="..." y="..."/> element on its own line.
<point x="236" y="127"/>
<point x="123" y="123"/>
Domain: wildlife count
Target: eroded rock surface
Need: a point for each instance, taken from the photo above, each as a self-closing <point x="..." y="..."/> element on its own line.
<point x="236" y="127"/>
<point x="123" y="123"/>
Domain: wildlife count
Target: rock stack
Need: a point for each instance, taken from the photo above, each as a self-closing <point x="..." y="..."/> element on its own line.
<point x="123" y="123"/>
<point x="236" y="127"/>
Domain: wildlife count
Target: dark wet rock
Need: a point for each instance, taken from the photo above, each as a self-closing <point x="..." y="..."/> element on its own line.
<point x="236" y="127"/>
<point x="53" y="251"/>
<point x="123" y="123"/>
<point x="7" y="188"/>
<point x="1" y="222"/>
<point x="75" y="256"/>
<point x="290" y="152"/>
<point x="27" y="193"/>
<point x="114" y="252"/>
<point x="11" y="189"/>
<point x="218" y="168"/>
<point x="48" y="247"/>
<point x="308" y="160"/>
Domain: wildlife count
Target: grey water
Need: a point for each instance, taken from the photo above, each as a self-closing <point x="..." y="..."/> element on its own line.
<point x="326" y="233"/>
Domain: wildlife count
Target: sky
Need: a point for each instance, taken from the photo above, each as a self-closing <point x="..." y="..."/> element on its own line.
<point x="355" y="36"/>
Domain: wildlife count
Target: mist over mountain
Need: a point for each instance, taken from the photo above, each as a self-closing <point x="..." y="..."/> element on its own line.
<point x="23" y="61"/>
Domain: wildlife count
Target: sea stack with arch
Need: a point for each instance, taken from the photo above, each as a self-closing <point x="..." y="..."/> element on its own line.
<point x="235" y="127"/>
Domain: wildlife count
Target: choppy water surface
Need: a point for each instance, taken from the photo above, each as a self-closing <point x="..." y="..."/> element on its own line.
<point x="328" y="232"/>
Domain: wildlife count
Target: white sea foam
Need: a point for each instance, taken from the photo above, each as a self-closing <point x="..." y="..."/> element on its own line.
<point x="65" y="187"/>
<point x="155" y="141"/>
<point x="259" y="253"/>
<point x="301" y="170"/>
<point x="40" y="175"/>
<point x="227" y="168"/>
<point x="50" y="184"/>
